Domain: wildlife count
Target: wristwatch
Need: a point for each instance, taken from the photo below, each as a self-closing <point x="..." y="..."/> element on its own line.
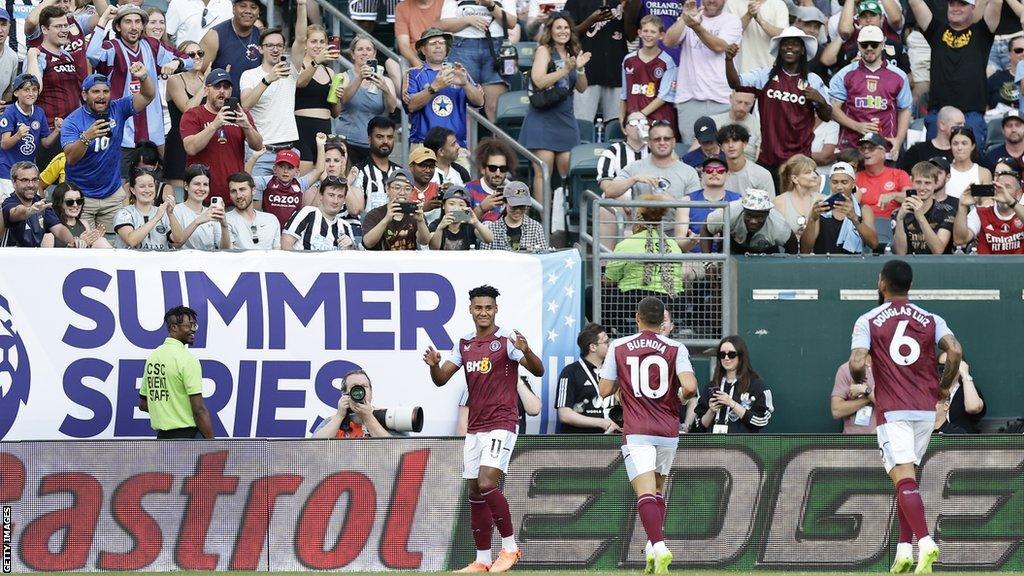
<point x="431" y="89"/>
<point x="265" y="83"/>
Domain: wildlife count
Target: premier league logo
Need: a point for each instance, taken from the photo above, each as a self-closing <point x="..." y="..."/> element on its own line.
<point x="15" y="374"/>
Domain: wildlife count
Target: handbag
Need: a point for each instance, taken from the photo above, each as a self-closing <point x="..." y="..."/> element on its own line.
<point x="551" y="96"/>
<point x="505" y="60"/>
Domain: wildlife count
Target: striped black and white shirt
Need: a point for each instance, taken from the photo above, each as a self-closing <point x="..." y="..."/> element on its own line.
<point x="616" y="157"/>
<point x="314" y="232"/>
<point x="371" y="181"/>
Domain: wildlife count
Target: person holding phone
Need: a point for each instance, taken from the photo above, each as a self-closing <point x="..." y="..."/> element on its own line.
<point x="838" y="224"/>
<point x="459" y="228"/>
<point x="922" y="225"/>
<point x="368" y="92"/>
<point x="267" y="90"/>
<point x="201" y="228"/>
<point x="317" y="93"/>
<point x="736" y="400"/>
<point x="399" y="224"/>
<point x="91" y="137"/>
<point x="495" y="161"/>
<point x="997" y="226"/>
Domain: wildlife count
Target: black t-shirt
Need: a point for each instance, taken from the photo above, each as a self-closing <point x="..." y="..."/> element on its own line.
<point x="515" y="237"/>
<point x="827" y="241"/>
<point x="959" y="60"/>
<point x="958" y="421"/>
<point x="461" y="240"/>
<point x="994" y="155"/>
<point x="577" y="389"/>
<point x="921" y="152"/>
<point x="606" y="41"/>
<point x="939" y="217"/>
<point x="1002" y="89"/>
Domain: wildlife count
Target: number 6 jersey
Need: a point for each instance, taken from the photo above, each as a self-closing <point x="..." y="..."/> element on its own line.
<point x="901" y="339"/>
<point x="647" y="367"/>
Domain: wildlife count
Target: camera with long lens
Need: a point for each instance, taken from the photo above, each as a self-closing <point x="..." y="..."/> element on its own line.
<point x="400" y="419"/>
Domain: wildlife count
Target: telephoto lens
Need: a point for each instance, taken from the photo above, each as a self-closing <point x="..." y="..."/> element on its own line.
<point x="357" y="393"/>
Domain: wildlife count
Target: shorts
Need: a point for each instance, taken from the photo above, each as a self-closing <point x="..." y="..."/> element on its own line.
<point x="904" y="441"/>
<point x="308" y="127"/>
<point x="644" y="454"/>
<point x="492" y="448"/>
<point x="477" y="59"/>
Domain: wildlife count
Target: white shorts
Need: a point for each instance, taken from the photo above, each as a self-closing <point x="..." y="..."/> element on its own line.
<point x="904" y="441"/>
<point x="643" y="455"/>
<point x="493" y="449"/>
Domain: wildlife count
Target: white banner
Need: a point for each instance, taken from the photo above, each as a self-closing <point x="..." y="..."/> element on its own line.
<point x="276" y="333"/>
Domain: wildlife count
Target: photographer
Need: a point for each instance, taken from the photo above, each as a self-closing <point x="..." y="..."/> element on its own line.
<point x="354" y="418"/>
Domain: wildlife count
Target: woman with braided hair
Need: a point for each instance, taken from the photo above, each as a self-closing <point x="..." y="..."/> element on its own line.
<point x="637" y="279"/>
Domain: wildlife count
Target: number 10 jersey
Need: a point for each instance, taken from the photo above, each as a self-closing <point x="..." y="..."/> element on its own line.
<point x="901" y="339"/>
<point x="647" y="367"/>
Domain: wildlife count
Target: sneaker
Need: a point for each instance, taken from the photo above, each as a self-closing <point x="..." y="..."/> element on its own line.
<point x="474" y="567"/>
<point x="927" y="554"/>
<point x="901" y="564"/>
<point x="649" y="567"/>
<point x="661" y="562"/>
<point x="506" y="560"/>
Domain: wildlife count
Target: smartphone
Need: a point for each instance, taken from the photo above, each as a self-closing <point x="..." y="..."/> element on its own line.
<point x="232" y="103"/>
<point x="983" y="190"/>
<point x="447" y="65"/>
<point x="216" y="202"/>
<point x="372" y="64"/>
<point x="407" y="207"/>
<point x="335" y="43"/>
<point x="460" y="216"/>
<point x="910" y="192"/>
<point x="837" y="197"/>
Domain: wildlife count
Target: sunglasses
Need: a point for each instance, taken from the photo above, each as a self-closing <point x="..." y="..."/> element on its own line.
<point x="869" y="45"/>
<point x="255" y="237"/>
<point x="334" y="181"/>
<point x="715" y="169"/>
<point x="73" y="201"/>
<point x="637" y="122"/>
<point x="657" y="123"/>
<point x="497" y="168"/>
<point x="202" y="22"/>
<point x="1018" y="50"/>
<point x="731" y="355"/>
<point x="196" y="54"/>
<point x="1008" y="173"/>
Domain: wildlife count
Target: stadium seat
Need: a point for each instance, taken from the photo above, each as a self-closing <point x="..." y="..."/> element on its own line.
<point x="682" y="149"/>
<point x="613" y="131"/>
<point x="586" y="131"/>
<point x="995" y="134"/>
<point x="526" y="50"/>
<point x="582" y="176"/>
<point x="512" y="108"/>
<point x="517" y="82"/>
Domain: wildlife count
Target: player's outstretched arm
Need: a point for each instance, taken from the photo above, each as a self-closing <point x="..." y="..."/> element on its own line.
<point x="530" y="361"/>
<point x="954" y="354"/>
<point x="607" y="387"/>
<point x="439" y="373"/>
<point x="858" y="365"/>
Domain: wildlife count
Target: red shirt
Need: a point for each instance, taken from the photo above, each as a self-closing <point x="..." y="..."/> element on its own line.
<point x="643" y="82"/>
<point x="787" y="120"/>
<point x="428" y="193"/>
<point x="224" y="154"/>
<point x="888" y="181"/>
<point x="76" y="46"/>
<point x="63" y="81"/>
<point x="647" y="367"/>
<point x="282" y="199"/>
<point x="999" y="236"/>
<point x="901" y="339"/>
<point x="492" y="376"/>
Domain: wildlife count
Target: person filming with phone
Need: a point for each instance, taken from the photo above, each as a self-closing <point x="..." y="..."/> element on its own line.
<point x="922" y="225"/>
<point x="997" y="226"/>
<point x="216" y="133"/>
<point x="91" y="138"/>
<point x="399" y="224"/>
<point x="458" y="228"/>
<point x="838" y="224"/>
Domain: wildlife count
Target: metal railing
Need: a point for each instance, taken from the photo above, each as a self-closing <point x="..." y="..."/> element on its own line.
<point x="337" y="21"/>
<point x="703" y="311"/>
<point x="476" y="119"/>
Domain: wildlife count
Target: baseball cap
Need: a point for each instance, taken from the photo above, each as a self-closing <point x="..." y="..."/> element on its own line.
<point x="871" y="34"/>
<point x="288" y="156"/>
<point x="398" y="175"/>
<point x="421" y="155"/>
<point x="940" y="162"/>
<point x="517" y="194"/>
<point x="873" y="138"/>
<point x="869" y="6"/>
<point x="713" y="160"/>
<point x="1011" y="114"/>
<point x="454" y="191"/>
<point x="94" y="79"/>
<point x="22" y="79"/>
<point x="5" y="15"/>
<point x="843" y="168"/>
<point x="705" y="130"/>
<point x="809" y="14"/>
<point x="218" y="75"/>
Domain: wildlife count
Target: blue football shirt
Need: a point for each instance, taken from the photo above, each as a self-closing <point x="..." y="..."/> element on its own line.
<point x="26" y="148"/>
<point x="98" y="173"/>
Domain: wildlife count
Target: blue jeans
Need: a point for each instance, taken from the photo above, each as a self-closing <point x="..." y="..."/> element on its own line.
<point x="976" y="121"/>
<point x="999" y="57"/>
<point x="476" y="58"/>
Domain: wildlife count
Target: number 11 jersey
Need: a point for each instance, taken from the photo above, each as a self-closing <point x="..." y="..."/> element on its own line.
<point x="901" y="339"/>
<point x="647" y="367"/>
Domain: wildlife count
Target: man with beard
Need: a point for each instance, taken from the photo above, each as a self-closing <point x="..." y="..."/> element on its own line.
<point x="59" y="75"/>
<point x="757" y="227"/>
<point x="91" y="137"/>
<point x="172" y="382"/>
<point x="251" y="229"/>
<point x="114" y="57"/>
<point x="788" y="97"/>
<point x="871" y="96"/>
<point x="373" y="174"/>
<point x="216" y="135"/>
<point x="438" y="96"/>
<point x="495" y="161"/>
<point x="1013" y="134"/>
<point x="235" y="45"/>
<point x="27" y="216"/>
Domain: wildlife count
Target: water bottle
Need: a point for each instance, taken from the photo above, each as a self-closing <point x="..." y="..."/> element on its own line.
<point x="599" y="129"/>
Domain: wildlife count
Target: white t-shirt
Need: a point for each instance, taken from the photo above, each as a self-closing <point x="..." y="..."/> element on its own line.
<point x="463" y="8"/>
<point x="757" y="42"/>
<point x="264" y="228"/>
<point x="130" y="216"/>
<point x="825" y="133"/>
<point x="185" y="18"/>
<point x="205" y="237"/>
<point x="270" y="113"/>
<point x="701" y="71"/>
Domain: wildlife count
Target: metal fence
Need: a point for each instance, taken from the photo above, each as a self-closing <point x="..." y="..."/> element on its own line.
<point x="630" y="258"/>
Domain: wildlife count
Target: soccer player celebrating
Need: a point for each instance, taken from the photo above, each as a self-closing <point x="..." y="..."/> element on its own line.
<point x="656" y="377"/>
<point x="900" y="338"/>
<point x="491" y="357"/>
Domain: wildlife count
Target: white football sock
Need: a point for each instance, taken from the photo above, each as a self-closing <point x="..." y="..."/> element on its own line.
<point x="483" y="556"/>
<point x="509" y="543"/>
